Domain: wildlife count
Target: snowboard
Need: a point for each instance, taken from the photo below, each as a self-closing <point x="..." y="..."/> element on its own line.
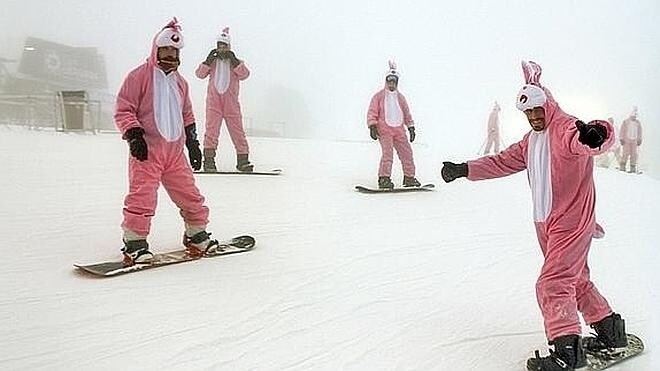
<point x="236" y="172"/>
<point x="425" y="187"/>
<point x="597" y="361"/>
<point x="115" y="268"/>
<point x="604" y="360"/>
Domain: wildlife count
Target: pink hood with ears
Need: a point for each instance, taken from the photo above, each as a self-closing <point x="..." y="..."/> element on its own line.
<point x="170" y="35"/>
<point x="553" y="113"/>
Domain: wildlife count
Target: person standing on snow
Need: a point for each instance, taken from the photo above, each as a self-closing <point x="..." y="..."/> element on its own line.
<point x="387" y="118"/>
<point x="557" y="154"/>
<point x="493" y="138"/>
<point x="630" y="137"/>
<point x="154" y="115"/>
<point x="224" y="71"/>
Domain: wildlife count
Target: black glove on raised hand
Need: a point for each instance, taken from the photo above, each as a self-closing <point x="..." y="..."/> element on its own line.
<point x="373" y="132"/>
<point x="411" y="130"/>
<point x="592" y="134"/>
<point x="232" y="58"/>
<point x="136" y="143"/>
<point x="194" y="153"/>
<point x="451" y="171"/>
<point x="213" y="54"/>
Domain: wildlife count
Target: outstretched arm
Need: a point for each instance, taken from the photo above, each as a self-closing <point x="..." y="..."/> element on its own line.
<point x="510" y="161"/>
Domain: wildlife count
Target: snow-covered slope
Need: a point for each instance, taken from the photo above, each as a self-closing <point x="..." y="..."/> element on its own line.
<point x="339" y="280"/>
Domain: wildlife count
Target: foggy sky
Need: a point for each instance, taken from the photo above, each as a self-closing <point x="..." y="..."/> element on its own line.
<point x="318" y="63"/>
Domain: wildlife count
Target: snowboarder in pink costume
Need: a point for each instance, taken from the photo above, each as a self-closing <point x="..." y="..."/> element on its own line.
<point x="224" y="71"/>
<point x="387" y="118"/>
<point x="154" y="115"/>
<point x="630" y="136"/>
<point x="557" y="155"/>
<point x="493" y="139"/>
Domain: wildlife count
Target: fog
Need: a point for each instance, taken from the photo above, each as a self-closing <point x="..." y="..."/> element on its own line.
<point x="315" y="65"/>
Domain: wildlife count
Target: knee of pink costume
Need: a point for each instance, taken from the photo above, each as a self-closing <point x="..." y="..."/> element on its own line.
<point x="389" y="111"/>
<point x="179" y="183"/>
<point x="159" y="103"/>
<point x="560" y="174"/>
<point x="222" y="99"/>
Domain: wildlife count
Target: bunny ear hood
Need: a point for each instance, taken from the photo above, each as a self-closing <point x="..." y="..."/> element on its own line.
<point x="392" y="73"/>
<point x="170" y="35"/>
<point x="224" y="36"/>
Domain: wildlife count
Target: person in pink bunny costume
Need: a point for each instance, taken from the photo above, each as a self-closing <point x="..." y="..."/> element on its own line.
<point x="154" y="115"/>
<point x="557" y="154"/>
<point x="493" y="139"/>
<point x="387" y="118"/>
<point x="630" y="137"/>
<point x="225" y="71"/>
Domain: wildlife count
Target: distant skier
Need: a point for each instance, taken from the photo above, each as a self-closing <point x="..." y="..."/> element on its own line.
<point x="493" y="136"/>
<point x="154" y="115"/>
<point x="613" y="155"/>
<point x="225" y="71"/>
<point x="387" y="119"/>
<point x="557" y="154"/>
<point x="630" y="137"/>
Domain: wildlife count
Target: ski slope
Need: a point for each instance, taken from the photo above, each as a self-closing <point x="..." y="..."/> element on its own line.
<point x="441" y="280"/>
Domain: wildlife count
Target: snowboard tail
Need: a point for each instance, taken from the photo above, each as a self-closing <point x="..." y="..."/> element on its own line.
<point x="598" y="361"/>
<point x="235" y="245"/>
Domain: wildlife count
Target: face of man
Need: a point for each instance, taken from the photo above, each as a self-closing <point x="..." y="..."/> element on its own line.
<point x="536" y="118"/>
<point x="392" y="84"/>
<point x="222" y="47"/>
<point x="168" y="58"/>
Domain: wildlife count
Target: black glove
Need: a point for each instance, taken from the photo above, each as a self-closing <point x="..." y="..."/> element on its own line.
<point x="373" y="132"/>
<point x="213" y="54"/>
<point x="592" y="134"/>
<point x="194" y="153"/>
<point x="411" y="130"/>
<point x="136" y="143"/>
<point x="451" y="171"/>
<point x="639" y="142"/>
<point x="232" y="58"/>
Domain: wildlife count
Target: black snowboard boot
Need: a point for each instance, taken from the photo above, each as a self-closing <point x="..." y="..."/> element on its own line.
<point x="209" y="159"/>
<point x="633" y="169"/>
<point x="568" y="355"/>
<point x="136" y="251"/>
<point x="243" y="164"/>
<point x="384" y="182"/>
<point x="200" y="244"/>
<point x="411" y="181"/>
<point x="610" y="335"/>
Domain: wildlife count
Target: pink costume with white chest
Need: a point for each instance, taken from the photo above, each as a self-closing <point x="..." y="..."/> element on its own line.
<point x="222" y="101"/>
<point x="560" y="173"/>
<point x="158" y="103"/>
<point x="389" y="112"/>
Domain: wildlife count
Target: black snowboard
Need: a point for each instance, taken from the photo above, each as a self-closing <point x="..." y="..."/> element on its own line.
<point x="236" y="172"/>
<point x="424" y="188"/>
<point x="108" y="269"/>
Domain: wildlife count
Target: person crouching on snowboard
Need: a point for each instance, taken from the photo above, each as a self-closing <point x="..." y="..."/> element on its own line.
<point x="387" y="115"/>
<point x="225" y="72"/>
<point x="154" y="115"/>
<point x="557" y="154"/>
